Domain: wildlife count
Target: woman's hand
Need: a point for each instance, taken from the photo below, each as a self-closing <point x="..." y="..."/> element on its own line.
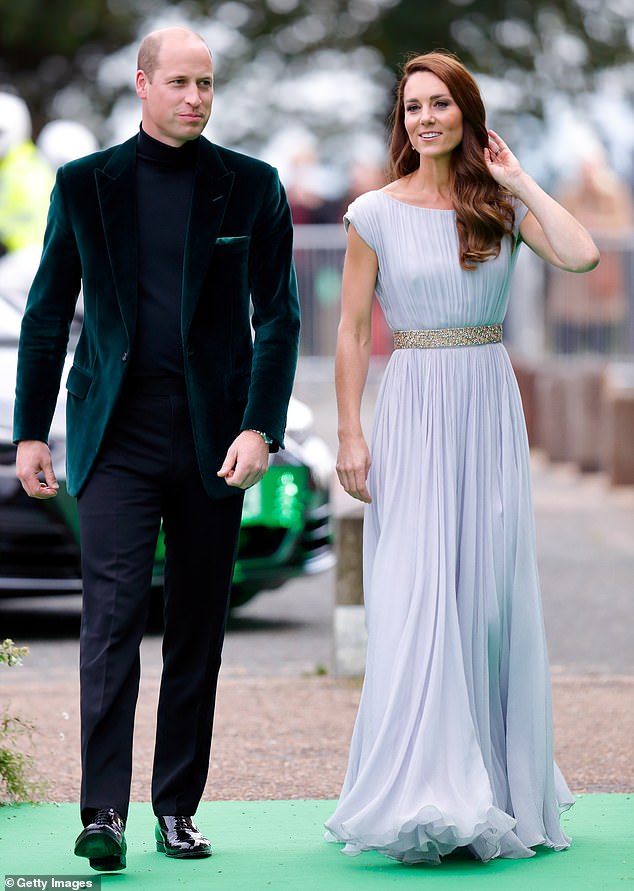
<point x="501" y="162"/>
<point x="353" y="465"/>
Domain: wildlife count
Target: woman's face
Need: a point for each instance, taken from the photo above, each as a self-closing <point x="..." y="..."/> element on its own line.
<point x="433" y="120"/>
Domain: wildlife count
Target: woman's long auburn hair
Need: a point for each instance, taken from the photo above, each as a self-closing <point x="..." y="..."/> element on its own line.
<point x="484" y="213"/>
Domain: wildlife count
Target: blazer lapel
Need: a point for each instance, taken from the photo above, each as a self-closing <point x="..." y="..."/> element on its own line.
<point x="212" y="190"/>
<point x="116" y="189"/>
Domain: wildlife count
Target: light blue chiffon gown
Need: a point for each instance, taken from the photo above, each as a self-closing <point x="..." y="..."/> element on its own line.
<point x="453" y="742"/>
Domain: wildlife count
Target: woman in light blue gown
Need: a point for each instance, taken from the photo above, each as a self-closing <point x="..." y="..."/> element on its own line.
<point x="452" y="745"/>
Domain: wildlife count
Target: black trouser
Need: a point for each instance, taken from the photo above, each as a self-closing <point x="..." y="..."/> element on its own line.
<point x="147" y="471"/>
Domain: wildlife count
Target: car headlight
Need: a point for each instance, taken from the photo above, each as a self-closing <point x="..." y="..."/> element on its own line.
<point x="278" y="499"/>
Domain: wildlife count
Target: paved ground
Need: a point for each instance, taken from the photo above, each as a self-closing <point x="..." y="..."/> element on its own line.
<point x="283" y="724"/>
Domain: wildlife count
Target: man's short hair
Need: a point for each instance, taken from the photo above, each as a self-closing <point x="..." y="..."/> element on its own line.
<point x="148" y="57"/>
<point x="150" y="48"/>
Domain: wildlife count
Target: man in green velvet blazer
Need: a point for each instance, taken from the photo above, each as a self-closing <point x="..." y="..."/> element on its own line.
<point x="178" y="390"/>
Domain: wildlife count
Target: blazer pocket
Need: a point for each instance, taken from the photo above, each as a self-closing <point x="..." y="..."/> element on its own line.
<point x="233" y="239"/>
<point x="78" y="382"/>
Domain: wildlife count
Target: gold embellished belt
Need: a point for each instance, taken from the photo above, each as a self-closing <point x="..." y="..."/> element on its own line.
<point x="433" y="338"/>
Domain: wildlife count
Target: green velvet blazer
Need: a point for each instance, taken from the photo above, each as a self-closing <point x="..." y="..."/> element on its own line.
<point x="239" y="368"/>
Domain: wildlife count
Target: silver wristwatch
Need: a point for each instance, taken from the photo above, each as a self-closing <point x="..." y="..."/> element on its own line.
<point x="267" y="439"/>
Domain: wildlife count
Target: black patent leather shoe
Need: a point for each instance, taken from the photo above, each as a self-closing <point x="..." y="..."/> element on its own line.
<point x="103" y="841"/>
<point x="179" y="837"/>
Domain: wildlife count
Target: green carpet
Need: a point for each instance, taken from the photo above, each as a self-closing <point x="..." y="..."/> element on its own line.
<point x="277" y="845"/>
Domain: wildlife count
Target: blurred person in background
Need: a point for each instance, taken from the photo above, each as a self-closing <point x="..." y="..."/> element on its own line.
<point x="313" y="189"/>
<point x="453" y="742"/>
<point x="586" y="314"/>
<point x="183" y="249"/>
<point x="26" y="178"/>
<point x="363" y="176"/>
<point x="61" y="141"/>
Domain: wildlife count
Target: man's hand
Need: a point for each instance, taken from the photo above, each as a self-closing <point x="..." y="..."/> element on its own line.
<point x="34" y="457"/>
<point x="247" y="460"/>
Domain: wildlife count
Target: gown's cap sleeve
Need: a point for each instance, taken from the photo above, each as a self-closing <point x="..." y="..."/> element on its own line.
<point x="359" y="214"/>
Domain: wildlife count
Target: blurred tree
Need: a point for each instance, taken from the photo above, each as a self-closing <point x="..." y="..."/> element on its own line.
<point x="57" y="48"/>
<point x="283" y="68"/>
<point x="320" y="64"/>
<point x="535" y="45"/>
<point x="59" y="44"/>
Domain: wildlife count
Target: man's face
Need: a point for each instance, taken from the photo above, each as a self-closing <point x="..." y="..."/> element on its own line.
<point x="177" y="101"/>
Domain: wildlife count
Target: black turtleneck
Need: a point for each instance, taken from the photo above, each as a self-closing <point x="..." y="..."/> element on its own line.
<point x="164" y="183"/>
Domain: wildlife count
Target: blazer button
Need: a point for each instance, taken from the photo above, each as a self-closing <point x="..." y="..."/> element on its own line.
<point x="124" y="357"/>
